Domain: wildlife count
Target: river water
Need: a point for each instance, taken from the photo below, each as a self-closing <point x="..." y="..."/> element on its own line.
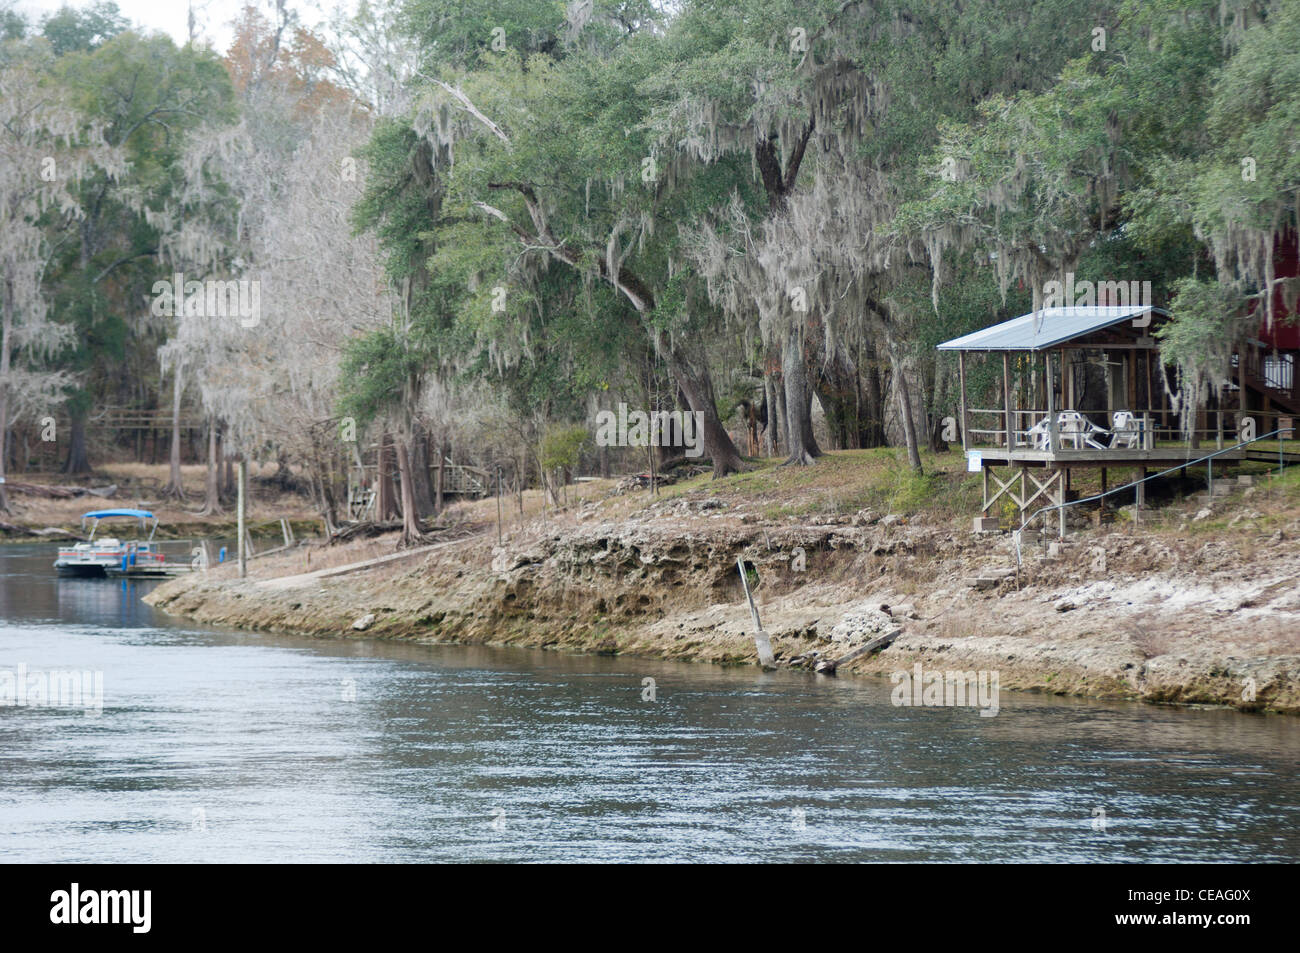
<point x="217" y="745"/>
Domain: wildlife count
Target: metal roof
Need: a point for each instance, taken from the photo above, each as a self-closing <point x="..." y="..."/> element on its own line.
<point x="104" y="514"/>
<point x="1045" y="328"/>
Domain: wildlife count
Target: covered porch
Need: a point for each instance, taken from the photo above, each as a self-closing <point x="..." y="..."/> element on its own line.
<point x="1079" y="387"/>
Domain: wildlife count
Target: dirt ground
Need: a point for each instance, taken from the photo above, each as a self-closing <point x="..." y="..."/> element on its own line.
<point x="139" y="487"/>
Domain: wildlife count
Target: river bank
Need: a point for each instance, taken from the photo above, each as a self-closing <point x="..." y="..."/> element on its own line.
<point x="1187" y="608"/>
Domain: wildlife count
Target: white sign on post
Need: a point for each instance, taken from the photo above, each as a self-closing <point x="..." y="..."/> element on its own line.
<point x="974" y="461"/>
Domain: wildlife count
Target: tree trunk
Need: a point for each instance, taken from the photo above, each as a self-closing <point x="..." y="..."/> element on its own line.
<point x="78" y="461"/>
<point x="386" y="502"/>
<point x="412" y="532"/>
<point x="771" y="405"/>
<point x="440" y="479"/>
<point x="905" y="408"/>
<point x="697" y="387"/>
<point x="873" y="422"/>
<point x="423" y="488"/>
<point x="837" y="387"/>
<point x="175" y="488"/>
<point x="212" y="482"/>
<point x="211" y="487"/>
<point x="798" y="401"/>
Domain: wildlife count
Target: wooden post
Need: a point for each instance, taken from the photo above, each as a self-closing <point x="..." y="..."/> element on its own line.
<point x="1151" y="400"/>
<point x="438" y="478"/>
<point x="961" y="373"/>
<point x="1132" y="381"/>
<point x="1067" y="374"/>
<point x="1006" y="401"/>
<point x="498" y="504"/>
<point x="1139" y="493"/>
<point x="242" y="506"/>
<point x="1060" y="499"/>
<point x="761" y="641"/>
<point x="1053" y="439"/>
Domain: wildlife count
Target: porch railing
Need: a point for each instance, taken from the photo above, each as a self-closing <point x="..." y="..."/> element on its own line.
<point x="1164" y="426"/>
<point x="1135" y="485"/>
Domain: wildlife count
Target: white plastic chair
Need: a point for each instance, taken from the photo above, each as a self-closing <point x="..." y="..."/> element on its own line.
<point x="1124" y="431"/>
<point x="1038" y="436"/>
<point x="1079" y="430"/>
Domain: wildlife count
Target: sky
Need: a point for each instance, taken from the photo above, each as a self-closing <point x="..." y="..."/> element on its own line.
<point x="170" y="16"/>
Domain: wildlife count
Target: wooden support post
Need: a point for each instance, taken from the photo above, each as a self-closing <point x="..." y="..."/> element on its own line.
<point x="1132" y="387"/>
<point x="1067" y="373"/>
<point x="438" y="479"/>
<point x="961" y="374"/>
<point x="1060" y="501"/>
<point x="241" y="505"/>
<point x="1054" y="439"/>
<point x="1102" y="501"/>
<point x="984" y="472"/>
<point x="1006" y="401"/>
<point x="1139" y="493"/>
<point x="1151" y="400"/>
<point x="761" y="641"/>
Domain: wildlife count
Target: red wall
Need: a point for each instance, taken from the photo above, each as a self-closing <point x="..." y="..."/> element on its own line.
<point x="1286" y="264"/>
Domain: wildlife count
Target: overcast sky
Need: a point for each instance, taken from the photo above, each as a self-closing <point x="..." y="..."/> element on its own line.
<point x="170" y="16"/>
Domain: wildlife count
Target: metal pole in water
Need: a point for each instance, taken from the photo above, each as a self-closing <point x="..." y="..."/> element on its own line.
<point x="243" y="501"/>
<point x="761" y="641"/>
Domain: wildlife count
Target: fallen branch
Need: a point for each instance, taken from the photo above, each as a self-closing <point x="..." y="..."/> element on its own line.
<point x="829" y="666"/>
<point x="59" y="492"/>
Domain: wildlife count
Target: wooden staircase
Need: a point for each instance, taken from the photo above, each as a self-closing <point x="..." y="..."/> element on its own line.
<point x="1258" y="371"/>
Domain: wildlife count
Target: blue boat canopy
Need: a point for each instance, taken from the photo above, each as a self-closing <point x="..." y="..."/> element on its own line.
<point x="103" y="514"/>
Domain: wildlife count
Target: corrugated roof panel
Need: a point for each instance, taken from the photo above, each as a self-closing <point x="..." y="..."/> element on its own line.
<point x="1045" y="328"/>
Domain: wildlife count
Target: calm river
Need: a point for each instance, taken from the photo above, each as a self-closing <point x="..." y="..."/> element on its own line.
<point x="232" y="746"/>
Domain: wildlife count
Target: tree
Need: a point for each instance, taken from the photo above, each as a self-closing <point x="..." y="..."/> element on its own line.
<point x="71" y="30"/>
<point x="46" y="149"/>
<point x="145" y="93"/>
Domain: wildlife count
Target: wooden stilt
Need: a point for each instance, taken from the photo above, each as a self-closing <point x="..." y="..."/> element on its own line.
<point x="1006" y="400"/>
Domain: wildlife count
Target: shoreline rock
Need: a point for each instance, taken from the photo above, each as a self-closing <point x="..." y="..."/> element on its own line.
<point x="1151" y="622"/>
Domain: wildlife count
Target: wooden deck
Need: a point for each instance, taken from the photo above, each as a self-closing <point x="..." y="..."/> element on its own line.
<point x="1156" y="456"/>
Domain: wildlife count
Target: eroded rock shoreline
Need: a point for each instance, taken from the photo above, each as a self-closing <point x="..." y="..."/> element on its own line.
<point x="1119" y="614"/>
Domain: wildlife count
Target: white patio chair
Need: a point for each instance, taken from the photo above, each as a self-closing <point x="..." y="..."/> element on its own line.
<point x="1124" y="432"/>
<point x="1038" y="435"/>
<point x="1079" y="430"/>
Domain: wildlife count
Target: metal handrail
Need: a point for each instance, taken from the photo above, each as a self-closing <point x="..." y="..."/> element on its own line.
<point x="1181" y="466"/>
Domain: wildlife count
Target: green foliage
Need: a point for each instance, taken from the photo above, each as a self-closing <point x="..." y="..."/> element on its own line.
<point x="71" y="30"/>
<point x="1206" y="324"/>
<point x="377" y="367"/>
<point x="12" y="24"/>
<point x="562" y="447"/>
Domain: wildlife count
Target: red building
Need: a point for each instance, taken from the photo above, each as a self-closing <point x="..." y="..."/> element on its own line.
<point x="1264" y="369"/>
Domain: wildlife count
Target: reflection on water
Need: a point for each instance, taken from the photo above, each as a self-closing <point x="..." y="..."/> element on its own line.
<point x="221" y="746"/>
